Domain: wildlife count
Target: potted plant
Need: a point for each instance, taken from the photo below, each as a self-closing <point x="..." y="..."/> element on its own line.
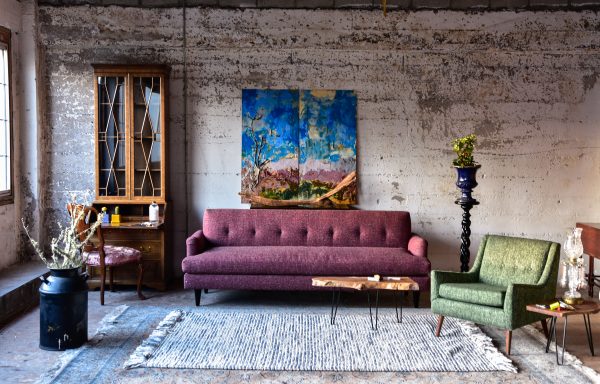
<point x="465" y="165"/>
<point x="63" y="294"/>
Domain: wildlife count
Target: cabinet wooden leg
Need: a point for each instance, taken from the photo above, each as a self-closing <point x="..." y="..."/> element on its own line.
<point x="139" y="282"/>
<point x="102" y="283"/>
<point x="111" y="278"/>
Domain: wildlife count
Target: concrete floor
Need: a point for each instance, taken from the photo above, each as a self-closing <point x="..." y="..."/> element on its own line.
<point x="22" y="361"/>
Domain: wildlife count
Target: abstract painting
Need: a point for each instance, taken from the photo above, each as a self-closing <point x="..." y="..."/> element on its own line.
<point x="299" y="145"/>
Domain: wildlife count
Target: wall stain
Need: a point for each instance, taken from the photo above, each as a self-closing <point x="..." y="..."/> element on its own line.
<point x="398" y="198"/>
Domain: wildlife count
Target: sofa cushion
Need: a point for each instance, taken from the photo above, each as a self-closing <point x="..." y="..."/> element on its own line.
<point x="474" y="293"/>
<point x="318" y="261"/>
<point x="291" y="227"/>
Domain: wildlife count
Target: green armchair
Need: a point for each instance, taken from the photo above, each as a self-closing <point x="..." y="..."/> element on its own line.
<point x="508" y="274"/>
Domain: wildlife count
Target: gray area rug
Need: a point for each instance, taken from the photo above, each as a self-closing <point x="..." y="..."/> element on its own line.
<point x="101" y="360"/>
<point x="209" y="339"/>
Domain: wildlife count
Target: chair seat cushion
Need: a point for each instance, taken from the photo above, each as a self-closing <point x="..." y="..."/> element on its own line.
<point x="474" y="293"/>
<point x="307" y="261"/>
<point x="115" y="255"/>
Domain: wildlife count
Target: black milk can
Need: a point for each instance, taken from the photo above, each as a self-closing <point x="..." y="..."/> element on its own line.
<point x="63" y="310"/>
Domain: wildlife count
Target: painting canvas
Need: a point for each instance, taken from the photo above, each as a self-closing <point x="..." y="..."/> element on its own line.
<point x="298" y="144"/>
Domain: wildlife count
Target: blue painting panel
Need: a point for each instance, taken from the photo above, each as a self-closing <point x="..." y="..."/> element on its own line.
<point x="270" y="142"/>
<point x="327" y="141"/>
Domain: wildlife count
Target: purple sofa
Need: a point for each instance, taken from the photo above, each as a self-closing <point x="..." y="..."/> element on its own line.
<point x="282" y="249"/>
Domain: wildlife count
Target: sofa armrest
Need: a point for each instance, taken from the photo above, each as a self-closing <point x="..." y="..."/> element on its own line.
<point x="442" y="277"/>
<point x="417" y="245"/>
<point x="196" y="243"/>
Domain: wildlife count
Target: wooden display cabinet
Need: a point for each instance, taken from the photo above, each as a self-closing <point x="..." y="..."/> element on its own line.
<point x="130" y="139"/>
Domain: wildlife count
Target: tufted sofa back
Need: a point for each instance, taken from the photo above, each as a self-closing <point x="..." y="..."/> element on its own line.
<point x="290" y="227"/>
<point x="509" y="260"/>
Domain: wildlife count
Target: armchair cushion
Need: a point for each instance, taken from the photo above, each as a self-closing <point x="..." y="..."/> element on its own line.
<point x="474" y="293"/>
<point x="509" y="260"/>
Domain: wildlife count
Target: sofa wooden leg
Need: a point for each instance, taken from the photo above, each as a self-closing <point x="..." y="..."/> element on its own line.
<point x="508" y="341"/>
<point x="439" y="325"/>
<point x="197" y="293"/>
<point x="205" y="290"/>
<point x="416" y="296"/>
<point x="545" y="328"/>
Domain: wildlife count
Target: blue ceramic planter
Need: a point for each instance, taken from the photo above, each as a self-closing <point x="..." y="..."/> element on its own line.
<point x="466" y="182"/>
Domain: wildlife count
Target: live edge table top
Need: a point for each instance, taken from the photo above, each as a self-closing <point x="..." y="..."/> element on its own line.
<point x="361" y="283"/>
<point x="587" y="307"/>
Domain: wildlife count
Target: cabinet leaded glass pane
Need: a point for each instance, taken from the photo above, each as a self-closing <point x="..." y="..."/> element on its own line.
<point x="146" y="136"/>
<point x="111" y="135"/>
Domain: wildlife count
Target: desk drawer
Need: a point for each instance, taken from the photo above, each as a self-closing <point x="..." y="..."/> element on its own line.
<point x="131" y="234"/>
<point x="151" y="250"/>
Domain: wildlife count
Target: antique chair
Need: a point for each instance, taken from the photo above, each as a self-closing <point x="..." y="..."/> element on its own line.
<point x="508" y="274"/>
<point x="102" y="256"/>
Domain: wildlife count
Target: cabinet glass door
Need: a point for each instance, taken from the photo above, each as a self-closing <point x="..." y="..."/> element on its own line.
<point x="111" y="136"/>
<point x="146" y="136"/>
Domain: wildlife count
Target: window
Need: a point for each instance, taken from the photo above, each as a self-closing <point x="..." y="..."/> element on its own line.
<point x="6" y="187"/>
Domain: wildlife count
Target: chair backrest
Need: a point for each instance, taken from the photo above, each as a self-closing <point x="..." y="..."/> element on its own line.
<point x="507" y="260"/>
<point x="90" y="214"/>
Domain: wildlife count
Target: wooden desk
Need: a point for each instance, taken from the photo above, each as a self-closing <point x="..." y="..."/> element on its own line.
<point x="590" y="237"/>
<point x="150" y="240"/>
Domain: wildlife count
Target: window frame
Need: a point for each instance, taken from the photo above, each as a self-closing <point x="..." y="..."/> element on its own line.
<point x="7" y="196"/>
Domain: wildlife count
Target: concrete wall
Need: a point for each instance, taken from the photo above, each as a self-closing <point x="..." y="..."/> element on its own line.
<point x="10" y="17"/>
<point x="525" y="83"/>
<point x="20" y="18"/>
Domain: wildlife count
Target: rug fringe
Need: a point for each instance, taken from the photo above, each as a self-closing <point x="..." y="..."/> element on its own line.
<point x="483" y="341"/>
<point x="71" y="354"/>
<point x="145" y="350"/>
<point x="569" y="358"/>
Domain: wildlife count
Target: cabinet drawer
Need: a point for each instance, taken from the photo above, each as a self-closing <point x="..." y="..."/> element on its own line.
<point x="138" y="234"/>
<point x="151" y="250"/>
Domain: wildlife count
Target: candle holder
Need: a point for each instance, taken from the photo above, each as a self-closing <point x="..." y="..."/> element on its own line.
<point x="573" y="275"/>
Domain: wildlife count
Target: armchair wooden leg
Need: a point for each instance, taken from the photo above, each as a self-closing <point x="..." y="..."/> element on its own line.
<point x="111" y="278"/>
<point x="439" y="325"/>
<point x="139" y="282"/>
<point x="102" y="283"/>
<point x="197" y="293"/>
<point x="205" y="290"/>
<point x="545" y="328"/>
<point x="508" y="341"/>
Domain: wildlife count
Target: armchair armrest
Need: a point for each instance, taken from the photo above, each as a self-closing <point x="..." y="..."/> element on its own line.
<point x="441" y="277"/>
<point x="196" y="243"/>
<point x="417" y="245"/>
<point x="519" y="295"/>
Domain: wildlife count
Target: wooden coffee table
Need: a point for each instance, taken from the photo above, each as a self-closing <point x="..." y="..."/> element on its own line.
<point x="363" y="284"/>
<point x="588" y="307"/>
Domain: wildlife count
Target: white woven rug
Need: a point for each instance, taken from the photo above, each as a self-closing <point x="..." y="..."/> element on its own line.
<point x="307" y="342"/>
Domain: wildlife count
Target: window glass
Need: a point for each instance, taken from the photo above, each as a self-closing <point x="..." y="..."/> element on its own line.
<point x="5" y="118"/>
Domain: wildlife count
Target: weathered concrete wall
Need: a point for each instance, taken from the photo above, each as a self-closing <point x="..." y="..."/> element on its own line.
<point x="19" y="17"/>
<point x="525" y="82"/>
<point x="10" y="17"/>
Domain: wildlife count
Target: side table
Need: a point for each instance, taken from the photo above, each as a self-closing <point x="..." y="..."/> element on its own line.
<point x="588" y="307"/>
<point x="363" y="284"/>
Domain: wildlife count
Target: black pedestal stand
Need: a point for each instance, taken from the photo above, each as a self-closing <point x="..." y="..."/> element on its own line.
<point x="466" y="182"/>
<point x="465" y="237"/>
